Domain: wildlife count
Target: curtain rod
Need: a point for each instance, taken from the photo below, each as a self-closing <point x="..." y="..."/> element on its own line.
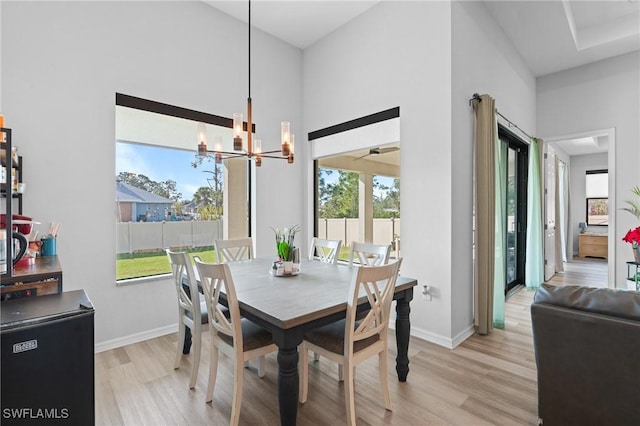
<point x="477" y="97"/>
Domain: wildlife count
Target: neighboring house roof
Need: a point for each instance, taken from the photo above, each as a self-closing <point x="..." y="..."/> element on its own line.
<point x="126" y="193"/>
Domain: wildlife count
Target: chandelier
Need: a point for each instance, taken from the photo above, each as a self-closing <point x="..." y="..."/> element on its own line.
<point x="254" y="147"/>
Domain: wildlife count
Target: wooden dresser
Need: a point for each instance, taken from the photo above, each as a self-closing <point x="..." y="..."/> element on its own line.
<point x="594" y="245"/>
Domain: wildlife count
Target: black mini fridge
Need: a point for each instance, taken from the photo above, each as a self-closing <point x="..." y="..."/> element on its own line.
<point x="47" y="360"/>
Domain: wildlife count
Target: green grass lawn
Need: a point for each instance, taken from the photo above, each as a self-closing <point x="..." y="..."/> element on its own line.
<point x="139" y="265"/>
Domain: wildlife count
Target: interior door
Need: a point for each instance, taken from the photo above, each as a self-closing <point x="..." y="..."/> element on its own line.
<point x="549" y="213"/>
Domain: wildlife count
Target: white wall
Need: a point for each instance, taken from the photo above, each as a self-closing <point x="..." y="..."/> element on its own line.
<point x="398" y="54"/>
<point x="483" y="61"/>
<point x="578" y="167"/>
<point x="596" y="96"/>
<point x="63" y="62"/>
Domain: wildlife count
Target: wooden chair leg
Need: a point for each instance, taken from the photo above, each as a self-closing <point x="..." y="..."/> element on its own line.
<point x="384" y="379"/>
<point x="176" y="363"/>
<point x="260" y="364"/>
<point x="237" y="394"/>
<point x="303" y="368"/>
<point x="197" y="342"/>
<point x="213" y="372"/>
<point x="349" y="396"/>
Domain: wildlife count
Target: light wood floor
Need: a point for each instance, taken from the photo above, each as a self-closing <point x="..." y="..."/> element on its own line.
<point x="487" y="380"/>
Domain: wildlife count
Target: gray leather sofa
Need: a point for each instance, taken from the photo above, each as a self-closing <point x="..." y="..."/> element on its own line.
<point x="587" y="349"/>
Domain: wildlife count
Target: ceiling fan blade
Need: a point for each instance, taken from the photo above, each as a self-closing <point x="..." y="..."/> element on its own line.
<point x="362" y="156"/>
<point x="387" y="149"/>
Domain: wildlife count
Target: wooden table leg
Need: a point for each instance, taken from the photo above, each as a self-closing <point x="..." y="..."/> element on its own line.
<point x="288" y="385"/>
<point x="186" y="346"/>
<point x="403" y="329"/>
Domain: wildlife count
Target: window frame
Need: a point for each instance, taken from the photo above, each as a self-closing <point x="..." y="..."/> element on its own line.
<point x="147" y="105"/>
<point x="588" y="200"/>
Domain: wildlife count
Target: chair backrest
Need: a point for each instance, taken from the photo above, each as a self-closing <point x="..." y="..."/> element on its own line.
<point x="183" y="273"/>
<point x="326" y="251"/>
<point x="216" y="280"/>
<point x="377" y="284"/>
<point x="234" y="250"/>
<point x="369" y="254"/>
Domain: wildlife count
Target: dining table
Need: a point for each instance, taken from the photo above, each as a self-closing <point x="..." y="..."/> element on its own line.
<point x="290" y="305"/>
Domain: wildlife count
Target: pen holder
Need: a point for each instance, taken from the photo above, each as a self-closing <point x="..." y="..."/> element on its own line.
<point x="48" y="247"/>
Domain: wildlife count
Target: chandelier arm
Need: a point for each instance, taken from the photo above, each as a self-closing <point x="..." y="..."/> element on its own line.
<point x="279" y="157"/>
<point x="228" y="154"/>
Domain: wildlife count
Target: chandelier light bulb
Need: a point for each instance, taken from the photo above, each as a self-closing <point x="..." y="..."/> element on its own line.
<point x="202" y="139"/>
<point x="291" y="149"/>
<point x="217" y="147"/>
<point x="285" y="135"/>
<point x="237" y="132"/>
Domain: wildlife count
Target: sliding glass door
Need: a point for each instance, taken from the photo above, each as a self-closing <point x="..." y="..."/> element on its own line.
<point x="516" y="194"/>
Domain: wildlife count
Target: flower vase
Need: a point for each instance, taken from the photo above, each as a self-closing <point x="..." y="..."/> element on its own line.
<point x="636" y="252"/>
<point x="288" y="267"/>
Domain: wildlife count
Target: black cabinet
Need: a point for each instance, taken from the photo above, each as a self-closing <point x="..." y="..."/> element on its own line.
<point x="48" y="360"/>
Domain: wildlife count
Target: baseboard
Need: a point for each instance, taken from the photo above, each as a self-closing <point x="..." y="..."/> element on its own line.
<point x="428" y="336"/>
<point x="445" y="341"/>
<point x="135" y="338"/>
<point x="463" y="335"/>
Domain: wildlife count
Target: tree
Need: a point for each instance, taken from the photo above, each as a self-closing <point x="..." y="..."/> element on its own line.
<point x="209" y="199"/>
<point x="339" y="199"/>
<point x="388" y="204"/>
<point x="166" y="189"/>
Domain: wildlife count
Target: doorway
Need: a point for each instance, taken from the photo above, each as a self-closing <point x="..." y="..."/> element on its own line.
<point x="582" y="152"/>
<point x="516" y="202"/>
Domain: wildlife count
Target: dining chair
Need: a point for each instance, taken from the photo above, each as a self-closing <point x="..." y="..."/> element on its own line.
<point x="234" y="250"/>
<point x="236" y="337"/>
<point x="326" y="251"/>
<point x="368" y="254"/>
<point x="350" y="341"/>
<point x="190" y="314"/>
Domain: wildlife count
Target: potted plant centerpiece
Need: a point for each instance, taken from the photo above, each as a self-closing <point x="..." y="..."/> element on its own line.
<point x="286" y="249"/>
<point x="633" y="235"/>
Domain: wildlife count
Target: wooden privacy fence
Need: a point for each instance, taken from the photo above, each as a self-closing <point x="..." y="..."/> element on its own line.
<point x="385" y="231"/>
<point x="135" y="237"/>
<point x="151" y="236"/>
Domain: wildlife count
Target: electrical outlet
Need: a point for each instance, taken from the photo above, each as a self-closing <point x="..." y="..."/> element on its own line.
<point x="426" y="293"/>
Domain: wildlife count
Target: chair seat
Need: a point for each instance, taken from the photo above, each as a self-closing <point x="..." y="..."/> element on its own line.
<point x="253" y="336"/>
<point x="204" y="315"/>
<point x="331" y="338"/>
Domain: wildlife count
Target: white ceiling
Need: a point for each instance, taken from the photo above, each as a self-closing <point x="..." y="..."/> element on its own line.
<point x="583" y="146"/>
<point x="299" y="23"/>
<point x="550" y="36"/>
<point x="556" y="35"/>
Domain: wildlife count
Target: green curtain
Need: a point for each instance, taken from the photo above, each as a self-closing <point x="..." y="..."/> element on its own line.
<point x="534" y="263"/>
<point x="500" y="259"/>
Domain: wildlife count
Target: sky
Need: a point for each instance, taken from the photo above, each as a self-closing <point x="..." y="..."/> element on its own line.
<point x="161" y="164"/>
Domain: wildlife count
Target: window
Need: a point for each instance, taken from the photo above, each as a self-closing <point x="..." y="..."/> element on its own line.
<point x="597" y="197"/>
<point x="347" y="197"/>
<point x="166" y="197"/>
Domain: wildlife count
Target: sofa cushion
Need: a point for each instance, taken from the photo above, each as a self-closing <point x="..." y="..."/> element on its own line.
<point x="611" y="302"/>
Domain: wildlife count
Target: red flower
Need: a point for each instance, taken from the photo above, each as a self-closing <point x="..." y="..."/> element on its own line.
<point x="633" y="236"/>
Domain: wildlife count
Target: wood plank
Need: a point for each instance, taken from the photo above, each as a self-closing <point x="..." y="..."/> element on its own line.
<point x="487" y="380"/>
